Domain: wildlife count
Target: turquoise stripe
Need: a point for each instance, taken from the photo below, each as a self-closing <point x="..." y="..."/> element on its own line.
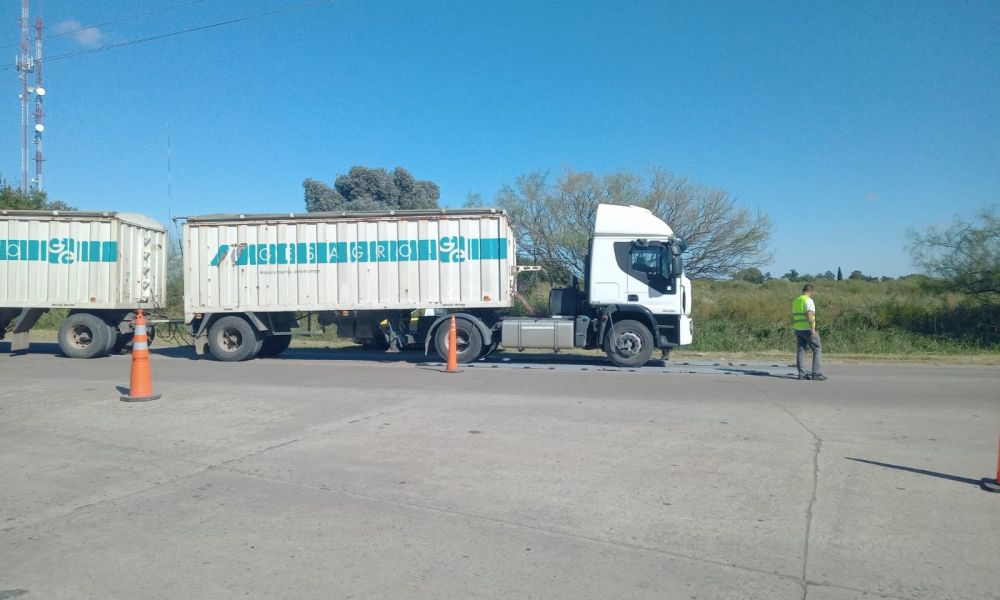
<point x="58" y="251"/>
<point x="447" y="249"/>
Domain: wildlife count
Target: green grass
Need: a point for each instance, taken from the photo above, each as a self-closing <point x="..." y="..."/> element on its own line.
<point x="902" y="317"/>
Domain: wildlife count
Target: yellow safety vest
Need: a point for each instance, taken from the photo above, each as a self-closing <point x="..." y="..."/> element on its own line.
<point x="799" y="316"/>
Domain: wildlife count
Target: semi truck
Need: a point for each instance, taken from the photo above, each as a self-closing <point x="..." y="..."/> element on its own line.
<point x="98" y="266"/>
<point x="249" y="278"/>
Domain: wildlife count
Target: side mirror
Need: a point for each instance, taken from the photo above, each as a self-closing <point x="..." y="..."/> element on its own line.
<point x="677" y="265"/>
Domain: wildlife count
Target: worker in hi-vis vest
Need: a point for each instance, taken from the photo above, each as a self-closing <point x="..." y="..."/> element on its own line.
<point x="806" y="336"/>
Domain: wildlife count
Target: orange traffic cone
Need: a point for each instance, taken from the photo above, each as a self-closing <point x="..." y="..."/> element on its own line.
<point x="993" y="485"/>
<point x="453" y="348"/>
<point x="141" y="384"/>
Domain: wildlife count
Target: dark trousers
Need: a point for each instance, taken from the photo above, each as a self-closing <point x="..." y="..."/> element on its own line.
<point x="807" y="340"/>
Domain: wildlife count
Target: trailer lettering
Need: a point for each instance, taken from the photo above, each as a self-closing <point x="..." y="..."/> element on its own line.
<point x="448" y="249"/>
<point x="59" y="251"/>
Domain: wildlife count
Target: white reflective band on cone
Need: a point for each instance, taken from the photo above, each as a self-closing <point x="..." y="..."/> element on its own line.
<point x="140" y="346"/>
<point x="140" y="330"/>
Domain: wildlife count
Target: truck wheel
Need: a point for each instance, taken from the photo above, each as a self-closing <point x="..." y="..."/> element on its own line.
<point x="275" y="345"/>
<point x="232" y="339"/>
<point x="112" y="340"/>
<point x="628" y="344"/>
<point x="470" y="341"/>
<point x="83" y="335"/>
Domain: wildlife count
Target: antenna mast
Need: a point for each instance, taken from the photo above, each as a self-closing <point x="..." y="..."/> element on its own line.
<point x="25" y="65"/>
<point x="39" y="113"/>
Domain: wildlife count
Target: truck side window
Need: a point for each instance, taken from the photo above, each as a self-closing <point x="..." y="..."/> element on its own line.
<point x="647" y="260"/>
<point x="649" y="264"/>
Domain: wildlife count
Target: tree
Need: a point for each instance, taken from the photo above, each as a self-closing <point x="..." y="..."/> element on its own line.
<point x="792" y="275"/>
<point x="965" y="254"/>
<point x="365" y="188"/>
<point x="840" y="274"/>
<point x="828" y="276"/>
<point x="553" y="221"/>
<point x="12" y="198"/>
<point x="752" y="274"/>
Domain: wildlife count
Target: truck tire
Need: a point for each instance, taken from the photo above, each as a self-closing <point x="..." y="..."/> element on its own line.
<point x="83" y="335"/>
<point x="112" y="340"/>
<point x="628" y="344"/>
<point x="275" y="345"/>
<point x="470" y="341"/>
<point x="232" y="339"/>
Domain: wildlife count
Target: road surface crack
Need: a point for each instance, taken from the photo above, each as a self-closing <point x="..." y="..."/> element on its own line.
<point x="817" y="443"/>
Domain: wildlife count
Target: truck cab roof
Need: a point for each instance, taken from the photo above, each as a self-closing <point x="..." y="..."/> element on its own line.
<point x="629" y="221"/>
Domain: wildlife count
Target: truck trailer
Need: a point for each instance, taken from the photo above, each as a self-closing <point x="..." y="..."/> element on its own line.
<point x="99" y="266"/>
<point x="249" y="278"/>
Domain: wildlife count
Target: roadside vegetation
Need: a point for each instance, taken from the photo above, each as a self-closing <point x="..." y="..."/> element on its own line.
<point x="902" y="317"/>
<point x="909" y="316"/>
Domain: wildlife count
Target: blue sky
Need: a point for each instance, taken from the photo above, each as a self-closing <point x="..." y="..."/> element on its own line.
<point x="846" y="122"/>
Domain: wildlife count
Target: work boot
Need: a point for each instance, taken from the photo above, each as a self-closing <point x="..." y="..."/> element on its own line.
<point x="805" y="377"/>
<point x="817" y="377"/>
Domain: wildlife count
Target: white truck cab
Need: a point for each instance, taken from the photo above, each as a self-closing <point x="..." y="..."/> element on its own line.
<point x="635" y="261"/>
<point x="637" y="298"/>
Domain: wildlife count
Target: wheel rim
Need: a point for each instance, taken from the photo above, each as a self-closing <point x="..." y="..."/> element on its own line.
<point x="462" y="339"/>
<point x="231" y="339"/>
<point x="81" y="336"/>
<point x="628" y="344"/>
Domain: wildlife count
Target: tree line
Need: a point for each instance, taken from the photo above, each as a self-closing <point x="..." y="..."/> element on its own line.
<point x="552" y="217"/>
<point x="14" y="198"/>
<point x="754" y="275"/>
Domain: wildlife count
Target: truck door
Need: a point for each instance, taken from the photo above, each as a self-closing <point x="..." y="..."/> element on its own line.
<point x="650" y="281"/>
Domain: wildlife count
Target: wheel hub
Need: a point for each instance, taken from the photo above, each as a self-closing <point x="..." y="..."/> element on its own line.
<point x="82" y="336"/>
<point x="231" y="339"/>
<point x="628" y="344"/>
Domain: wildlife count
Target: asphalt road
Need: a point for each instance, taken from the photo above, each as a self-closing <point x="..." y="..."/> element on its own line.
<point x="323" y="476"/>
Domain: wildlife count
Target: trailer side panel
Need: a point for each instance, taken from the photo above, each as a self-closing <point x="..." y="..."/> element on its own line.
<point x="460" y="259"/>
<point x="81" y="260"/>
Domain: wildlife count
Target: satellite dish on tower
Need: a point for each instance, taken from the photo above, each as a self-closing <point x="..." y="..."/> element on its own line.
<point x="40" y="91"/>
<point x="39" y="127"/>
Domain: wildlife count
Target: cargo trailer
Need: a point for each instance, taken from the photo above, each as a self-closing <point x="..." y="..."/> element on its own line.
<point x="98" y="266"/>
<point x="395" y="278"/>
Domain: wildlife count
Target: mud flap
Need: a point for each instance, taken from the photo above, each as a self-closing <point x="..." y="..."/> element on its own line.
<point x="19" y="342"/>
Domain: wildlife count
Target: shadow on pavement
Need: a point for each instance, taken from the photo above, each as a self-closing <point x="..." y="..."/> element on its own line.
<point x="758" y="373"/>
<point x="331" y="354"/>
<point x="499" y="359"/>
<point x="955" y="478"/>
<point x="33" y="348"/>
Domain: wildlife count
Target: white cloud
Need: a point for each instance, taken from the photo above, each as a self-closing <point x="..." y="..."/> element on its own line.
<point x="89" y="37"/>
